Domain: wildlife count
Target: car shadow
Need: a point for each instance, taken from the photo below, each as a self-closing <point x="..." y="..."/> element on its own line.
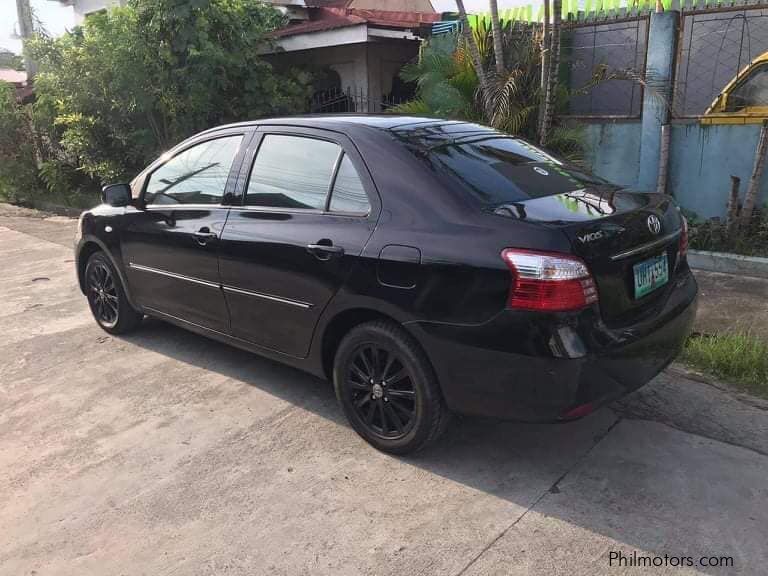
<point x="521" y="463"/>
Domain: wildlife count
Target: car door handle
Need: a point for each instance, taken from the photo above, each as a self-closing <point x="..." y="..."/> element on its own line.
<point x="325" y="251"/>
<point x="204" y="235"/>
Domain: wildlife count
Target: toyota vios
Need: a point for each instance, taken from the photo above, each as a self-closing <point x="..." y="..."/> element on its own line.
<point x="425" y="266"/>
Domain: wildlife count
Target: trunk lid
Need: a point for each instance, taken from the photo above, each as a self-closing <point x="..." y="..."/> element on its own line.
<point x="612" y="230"/>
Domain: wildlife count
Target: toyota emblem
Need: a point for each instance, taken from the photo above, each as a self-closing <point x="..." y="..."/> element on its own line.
<point x="654" y="224"/>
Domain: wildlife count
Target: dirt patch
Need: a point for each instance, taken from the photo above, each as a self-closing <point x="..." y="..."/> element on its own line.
<point x="730" y="303"/>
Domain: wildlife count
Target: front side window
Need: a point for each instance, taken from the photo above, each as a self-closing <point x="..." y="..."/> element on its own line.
<point x="348" y="193"/>
<point x="292" y="172"/>
<point x="198" y="175"/>
<point x="752" y="92"/>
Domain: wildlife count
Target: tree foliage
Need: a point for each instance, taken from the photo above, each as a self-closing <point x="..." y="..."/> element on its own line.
<point x="447" y="85"/>
<point x="134" y="80"/>
<point x="445" y="80"/>
<point x="18" y="171"/>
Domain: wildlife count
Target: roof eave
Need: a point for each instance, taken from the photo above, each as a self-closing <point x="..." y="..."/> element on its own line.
<point x="353" y="34"/>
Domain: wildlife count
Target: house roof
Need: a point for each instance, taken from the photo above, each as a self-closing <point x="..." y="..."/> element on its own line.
<point x="325" y="19"/>
<point x="384" y="5"/>
<point x="13" y="76"/>
<point x="327" y="3"/>
<point x="332" y="17"/>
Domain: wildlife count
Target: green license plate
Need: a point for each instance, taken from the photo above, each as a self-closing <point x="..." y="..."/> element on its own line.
<point x="651" y="274"/>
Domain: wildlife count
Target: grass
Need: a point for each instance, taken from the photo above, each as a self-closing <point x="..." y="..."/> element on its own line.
<point x="713" y="235"/>
<point x="736" y="357"/>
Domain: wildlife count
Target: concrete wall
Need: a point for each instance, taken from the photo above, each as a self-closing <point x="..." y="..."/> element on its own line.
<point x="612" y="149"/>
<point x="702" y="159"/>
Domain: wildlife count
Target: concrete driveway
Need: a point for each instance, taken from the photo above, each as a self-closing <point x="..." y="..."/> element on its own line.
<point x="166" y="453"/>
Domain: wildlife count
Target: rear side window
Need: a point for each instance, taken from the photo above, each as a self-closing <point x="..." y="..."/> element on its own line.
<point x="500" y="170"/>
<point x="348" y="193"/>
<point x="292" y="172"/>
<point x="198" y="175"/>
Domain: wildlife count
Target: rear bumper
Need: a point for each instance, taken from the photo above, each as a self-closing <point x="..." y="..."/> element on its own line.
<point x="534" y="367"/>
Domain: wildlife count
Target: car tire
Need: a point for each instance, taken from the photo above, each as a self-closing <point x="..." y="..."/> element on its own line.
<point x="106" y="296"/>
<point x="388" y="389"/>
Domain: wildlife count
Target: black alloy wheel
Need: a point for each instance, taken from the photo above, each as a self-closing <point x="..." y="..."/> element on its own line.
<point x="388" y="389"/>
<point x="106" y="296"/>
<point x="381" y="390"/>
<point x="102" y="294"/>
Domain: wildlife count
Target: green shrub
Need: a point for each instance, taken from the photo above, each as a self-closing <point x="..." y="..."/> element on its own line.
<point x="135" y="80"/>
<point x="447" y="86"/>
<point x="713" y="235"/>
<point x="19" y="180"/>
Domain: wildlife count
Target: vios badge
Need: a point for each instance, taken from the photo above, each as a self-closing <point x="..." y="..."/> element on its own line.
<point x="590" y="236"/>
<point x="654" y="224"/>
<point x="540" y="171"/>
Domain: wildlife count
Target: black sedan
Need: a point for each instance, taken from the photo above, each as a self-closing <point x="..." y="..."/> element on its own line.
<point x="427" y="267"/>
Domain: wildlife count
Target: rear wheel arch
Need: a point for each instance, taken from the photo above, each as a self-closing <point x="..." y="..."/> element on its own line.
<point x="340" y="325"/>
<point x="391" y="351"/>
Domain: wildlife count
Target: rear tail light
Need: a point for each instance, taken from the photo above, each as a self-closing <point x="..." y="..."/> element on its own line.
<point x="547" y="281"/>
<point x="683" y="236"/>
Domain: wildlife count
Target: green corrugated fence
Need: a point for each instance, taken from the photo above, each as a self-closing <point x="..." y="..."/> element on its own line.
<point x="581" y="10"/>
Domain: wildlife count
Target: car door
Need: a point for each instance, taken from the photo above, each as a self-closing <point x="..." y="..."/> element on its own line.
<point x="170" y="243"/>
<point x="307" y="209"/>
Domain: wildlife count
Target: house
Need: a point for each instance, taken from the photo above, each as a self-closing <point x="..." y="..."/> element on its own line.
<point x="84" y="7"/>
<point x="17" y="79"/>
<point x="356" y="48"/>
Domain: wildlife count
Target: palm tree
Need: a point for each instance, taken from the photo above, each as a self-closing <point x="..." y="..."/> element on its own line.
<point x="545" y="46"/>
<point x="447" y="86"/>
<point x="446" y="81"/>
<point x="498" y="45"/>
<point x="474" y="51"/>
<point x="554" y="63"/>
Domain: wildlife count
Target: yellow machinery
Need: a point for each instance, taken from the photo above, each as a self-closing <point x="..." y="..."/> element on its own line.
<point x="744" y="100"/>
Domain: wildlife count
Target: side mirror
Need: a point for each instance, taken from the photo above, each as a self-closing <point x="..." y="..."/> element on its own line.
<point x="116" y="194"/>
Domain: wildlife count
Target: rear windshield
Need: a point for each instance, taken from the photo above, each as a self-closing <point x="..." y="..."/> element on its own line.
<point x="501" y="170"/>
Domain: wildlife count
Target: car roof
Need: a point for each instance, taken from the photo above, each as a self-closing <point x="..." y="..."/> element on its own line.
<point x="412" y="128"/>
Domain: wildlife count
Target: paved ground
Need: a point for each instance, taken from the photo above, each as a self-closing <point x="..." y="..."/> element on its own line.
<point x="729" y="302"/>
<point x="166" y="453"/>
